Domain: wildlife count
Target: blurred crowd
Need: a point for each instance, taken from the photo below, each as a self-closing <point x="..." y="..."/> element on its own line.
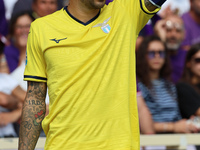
<point x="167" y="65"/>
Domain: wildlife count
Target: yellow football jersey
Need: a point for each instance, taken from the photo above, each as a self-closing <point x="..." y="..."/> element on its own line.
<point x="90" y="73"/>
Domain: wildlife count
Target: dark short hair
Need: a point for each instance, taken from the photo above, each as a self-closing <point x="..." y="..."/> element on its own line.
<point x="14" y="20"/>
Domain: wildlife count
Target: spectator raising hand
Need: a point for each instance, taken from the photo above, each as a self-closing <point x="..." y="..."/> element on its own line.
<point x="171" y="31"/>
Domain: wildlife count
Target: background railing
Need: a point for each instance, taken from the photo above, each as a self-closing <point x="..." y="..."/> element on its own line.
<point x="171" y="141"/>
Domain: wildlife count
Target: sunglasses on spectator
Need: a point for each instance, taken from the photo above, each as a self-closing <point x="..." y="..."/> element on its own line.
<point x="152" y="54"/>
<point x="170" y="25"/>
<point x="22" y="26"/>
<point x="196" y="60"/>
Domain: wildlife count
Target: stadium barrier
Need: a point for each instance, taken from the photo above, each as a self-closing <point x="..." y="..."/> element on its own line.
<point x="171" y="141"/>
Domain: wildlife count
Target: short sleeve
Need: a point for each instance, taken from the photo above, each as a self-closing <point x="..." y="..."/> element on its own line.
<point x="137" y="10"/>
<point x="35" y="69"/>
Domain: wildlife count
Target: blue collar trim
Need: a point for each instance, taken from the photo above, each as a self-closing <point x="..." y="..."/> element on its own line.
<point x="91" y="20"/>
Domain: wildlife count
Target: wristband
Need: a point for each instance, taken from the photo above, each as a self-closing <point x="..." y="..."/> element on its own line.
<point x="157" y="3"/>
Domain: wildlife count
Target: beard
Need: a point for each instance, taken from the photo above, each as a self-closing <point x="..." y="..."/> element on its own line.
<point x="173" y="46"/>
<point x="94" y="4"/>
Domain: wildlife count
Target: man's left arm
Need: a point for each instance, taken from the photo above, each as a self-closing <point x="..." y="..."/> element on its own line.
<point x="151" y="5"/>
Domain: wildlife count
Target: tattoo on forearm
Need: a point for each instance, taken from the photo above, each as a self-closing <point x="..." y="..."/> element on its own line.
<point x="38" y="118"/>
<point x="149" y="5"/>
<point x="27" y="125"/>
<point x="35" y="102"/>
<point x="33" y="113"/>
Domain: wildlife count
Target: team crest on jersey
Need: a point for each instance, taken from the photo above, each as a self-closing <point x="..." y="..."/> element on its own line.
<point x="104" y="26"/>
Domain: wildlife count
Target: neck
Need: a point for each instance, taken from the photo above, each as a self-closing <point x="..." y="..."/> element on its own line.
<point x="81" y="12"/>
<point x="195" y="80"/>
<point x="195" y="17"/>
<point x="22" y="49"/>
<point x="154" y="74"/>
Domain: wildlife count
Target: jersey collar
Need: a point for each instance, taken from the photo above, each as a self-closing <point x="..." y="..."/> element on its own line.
<point x="91" y="20"/>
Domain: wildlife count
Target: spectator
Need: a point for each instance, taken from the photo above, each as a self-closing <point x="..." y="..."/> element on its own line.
<point x="25" y="5"/>
<point x="171" y="31"/>
<point x="159" y="93"/>
<point x="19" y="28"/>
<point x="11" y="98"/>
<point x="192" y="24"/>
<point x="189" y="87"/>
<point x="42" y="8"/>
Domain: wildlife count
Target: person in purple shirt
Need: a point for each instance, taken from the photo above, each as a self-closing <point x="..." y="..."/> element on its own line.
<point x="192" y="25"/>
<point x="19" y="29"/>
<point x="3" y="21"/>
<point x="171" y="30"/>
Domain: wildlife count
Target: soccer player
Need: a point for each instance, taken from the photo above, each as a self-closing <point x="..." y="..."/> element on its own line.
<point x="85" y="54"/>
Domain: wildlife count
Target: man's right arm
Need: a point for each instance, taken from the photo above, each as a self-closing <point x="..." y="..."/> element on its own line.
<point x="32" y="115"/>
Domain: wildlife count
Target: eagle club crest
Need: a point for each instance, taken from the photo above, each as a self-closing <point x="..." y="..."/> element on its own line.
<point x="104" y="26"/>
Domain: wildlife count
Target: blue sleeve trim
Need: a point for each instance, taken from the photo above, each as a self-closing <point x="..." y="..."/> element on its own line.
<point x="35" y="77"/>
<point x="144" y="10"/>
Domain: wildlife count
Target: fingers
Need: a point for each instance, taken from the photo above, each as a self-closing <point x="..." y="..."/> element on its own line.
<point x="191" y="128"/>
<point x="160" y="24"/>
<point x="160" y="29"/>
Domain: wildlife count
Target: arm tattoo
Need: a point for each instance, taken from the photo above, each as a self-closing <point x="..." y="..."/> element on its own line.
<point x="149" y="5"/>
<point x="32" y="115"/>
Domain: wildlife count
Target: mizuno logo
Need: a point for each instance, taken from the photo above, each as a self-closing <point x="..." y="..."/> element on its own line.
<point x="57" y="41"/>
<point x="104" y="26"/>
